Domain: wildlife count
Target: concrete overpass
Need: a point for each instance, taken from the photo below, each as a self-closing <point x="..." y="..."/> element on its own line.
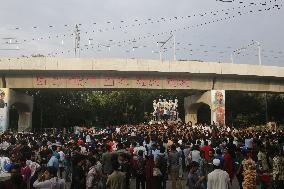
<point x="133" y="73"/>
<point x="82" y="73"/>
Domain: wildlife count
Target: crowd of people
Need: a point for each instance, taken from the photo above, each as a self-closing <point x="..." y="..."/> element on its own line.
<point x="165" y="110"/>
<point x="204" y="156"/>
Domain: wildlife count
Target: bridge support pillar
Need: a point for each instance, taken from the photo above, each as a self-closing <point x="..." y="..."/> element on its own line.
<point x="23" y="103"/>
<point x="215" y="99"/>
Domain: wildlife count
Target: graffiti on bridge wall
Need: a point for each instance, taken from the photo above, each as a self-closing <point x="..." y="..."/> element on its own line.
<point x="178" y="83"/>
<point x="110" y="82"/>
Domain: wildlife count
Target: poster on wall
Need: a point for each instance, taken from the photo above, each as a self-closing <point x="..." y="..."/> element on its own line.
<point x="4" y="94"/>
<point x="218" y="107"/>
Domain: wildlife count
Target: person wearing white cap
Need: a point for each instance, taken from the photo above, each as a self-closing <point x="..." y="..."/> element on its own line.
<point x="218" y="179"/>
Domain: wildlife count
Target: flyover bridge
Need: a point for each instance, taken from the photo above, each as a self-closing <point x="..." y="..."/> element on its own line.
<point x="82" y="73"/>
<point x="136" y="73"/>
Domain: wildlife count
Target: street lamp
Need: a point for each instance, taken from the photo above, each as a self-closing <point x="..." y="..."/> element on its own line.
<point x="164" y="42"/>
<point x="160" y="48"/>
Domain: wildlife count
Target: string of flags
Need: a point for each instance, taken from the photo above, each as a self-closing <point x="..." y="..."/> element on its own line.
<point x="99" y="50"/>
<point x="139" y="22"/>
<point x="151" y="35"/>
<point x="94" y="45"/>
<point x="150" y="20"/>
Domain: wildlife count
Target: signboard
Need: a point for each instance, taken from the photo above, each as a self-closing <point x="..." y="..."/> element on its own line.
<point x="218" y="107"/>
<point x="4" y="97"/>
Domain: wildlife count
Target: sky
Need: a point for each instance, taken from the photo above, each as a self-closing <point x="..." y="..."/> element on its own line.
<point x="231" y="31"/>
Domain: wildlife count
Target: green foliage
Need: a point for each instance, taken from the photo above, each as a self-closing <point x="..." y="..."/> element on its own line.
<point x="53" y="108"/>
<point x="65" y="108"/>
<point x="248" y="109"/>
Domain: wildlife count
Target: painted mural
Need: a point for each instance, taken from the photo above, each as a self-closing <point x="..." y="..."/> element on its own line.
<point x="218" y="107"/>
<point x="4" y="93"/>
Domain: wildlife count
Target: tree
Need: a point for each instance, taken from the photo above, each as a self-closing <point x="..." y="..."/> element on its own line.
<point x="66" y="108"/>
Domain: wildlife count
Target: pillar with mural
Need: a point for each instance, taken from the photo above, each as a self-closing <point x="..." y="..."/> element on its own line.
<point x="215" y="99"/>
<point x="218" y="107"/>
<point x="4" y="109"/>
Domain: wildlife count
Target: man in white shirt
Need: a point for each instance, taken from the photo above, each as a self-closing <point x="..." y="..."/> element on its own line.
<point x="218" y="179"/>
<point x="195" y="154"/>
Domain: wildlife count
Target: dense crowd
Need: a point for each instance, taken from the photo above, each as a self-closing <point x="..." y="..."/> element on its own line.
<point x="206" y="156"/>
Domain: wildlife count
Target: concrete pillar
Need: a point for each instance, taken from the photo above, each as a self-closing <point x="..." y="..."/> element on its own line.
<point x="215" y="99"/>
<point x="193" y="102"/>
<point x="24" y="105"/>
<point x="4" y="109"/>
<point x="218" y="107"/>
<point x="25" y="121"/>
<point x="191" y="114"/>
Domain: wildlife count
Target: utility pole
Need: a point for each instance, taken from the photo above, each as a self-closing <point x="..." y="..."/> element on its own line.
<point x="232" y="60"/>
<point x="160" y="49"/>
<point x="77" y="40"/>
<point x="259" y="50"/>
<point x="174" y="47"/>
